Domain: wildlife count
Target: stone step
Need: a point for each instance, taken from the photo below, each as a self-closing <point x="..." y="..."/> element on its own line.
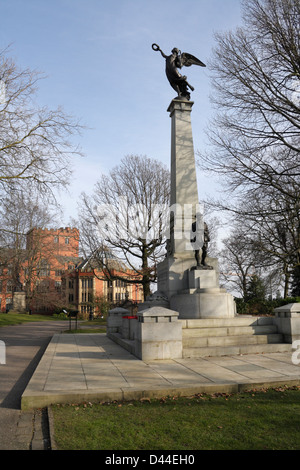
<point x="231" y="336"/>
<point x="236" y="350"/>
<point x="242" y="320"/>
<point x="229" y="331"/>
<point x="231" y="340"/>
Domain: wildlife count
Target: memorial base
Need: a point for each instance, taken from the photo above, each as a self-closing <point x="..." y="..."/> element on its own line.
<point x="193" y="291"/>
<point x="208" y="303"/>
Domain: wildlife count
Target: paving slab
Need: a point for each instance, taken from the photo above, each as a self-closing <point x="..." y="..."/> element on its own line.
<point x="91" y="367"/>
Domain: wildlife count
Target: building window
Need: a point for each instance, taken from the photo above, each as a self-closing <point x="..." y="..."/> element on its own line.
<point x="71" y="297"/>
<point x="55" y="239"/>
<point x="58" y="285"/>
<point x="87" y="283"/>
<point x="120" y="283"/>
<point x="71" y="284"/>
<point x="67" y="241"/>
<point x="44" y="268"/>
<point x="9" y="286"/>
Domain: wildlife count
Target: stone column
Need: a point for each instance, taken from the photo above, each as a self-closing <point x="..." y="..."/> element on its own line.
<point x="193" y="293"/>
<point x="184" y="200"/>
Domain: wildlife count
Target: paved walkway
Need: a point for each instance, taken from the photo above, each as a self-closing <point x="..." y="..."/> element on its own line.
<point x="25" y="345"/>
<point x="87" y="367"/>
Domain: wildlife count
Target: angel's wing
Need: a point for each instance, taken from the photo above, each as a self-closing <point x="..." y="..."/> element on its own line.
<point x="188" y="59"/>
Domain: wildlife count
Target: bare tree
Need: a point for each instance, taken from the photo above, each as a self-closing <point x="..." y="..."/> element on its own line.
<point x="242" y="257"/>
<point x="256" y="81"/>
<point x="275" y="226"/>
<point x="127" y="216"/>
<point x="20" y="212"/>
<point x="35" y="143"/>
<point x="237" y="262"/>
<point x="268" y="225"/>
<point x="255" y="133"/>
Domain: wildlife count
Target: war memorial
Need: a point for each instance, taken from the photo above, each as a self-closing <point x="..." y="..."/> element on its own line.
<point x="190" y="315"/>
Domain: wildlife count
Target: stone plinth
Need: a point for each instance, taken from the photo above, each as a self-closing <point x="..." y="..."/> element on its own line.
<point x="194" y="293"/>
<point x="287" y="320"/>
<point x="19" y="302"/>
<point x="213" y="303"/>
<point x="158" y="334"/>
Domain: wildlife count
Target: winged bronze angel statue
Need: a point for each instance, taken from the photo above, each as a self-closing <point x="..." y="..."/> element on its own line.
<point x="177" y="60"/>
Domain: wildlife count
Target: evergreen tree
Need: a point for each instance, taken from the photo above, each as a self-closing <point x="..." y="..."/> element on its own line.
<point x="295" y="292"/>
<point x="256" y="290"/>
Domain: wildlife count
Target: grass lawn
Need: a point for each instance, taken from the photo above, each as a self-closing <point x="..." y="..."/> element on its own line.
<point x="258" y="420"/>
<point x="11" y="318"/>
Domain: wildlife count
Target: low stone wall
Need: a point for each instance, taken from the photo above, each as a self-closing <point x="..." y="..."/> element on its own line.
<point x="154" y="333"/>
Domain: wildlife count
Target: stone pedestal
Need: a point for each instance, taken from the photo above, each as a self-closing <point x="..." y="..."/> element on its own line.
<point x="287" y="320"/>
<point x="203" y="298"/>
<point x="158" y="334"/>
<point x="194" y="293"/>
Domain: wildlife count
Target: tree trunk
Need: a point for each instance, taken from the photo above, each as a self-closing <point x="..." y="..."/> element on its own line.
<point x="146" y="277"/>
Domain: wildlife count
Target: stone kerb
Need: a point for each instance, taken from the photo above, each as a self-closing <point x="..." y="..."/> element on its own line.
<point x="158" y="334"/>
<point x="287" y="320"/>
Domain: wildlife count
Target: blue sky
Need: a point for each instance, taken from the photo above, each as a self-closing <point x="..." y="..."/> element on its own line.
<point x="97" y="57"/>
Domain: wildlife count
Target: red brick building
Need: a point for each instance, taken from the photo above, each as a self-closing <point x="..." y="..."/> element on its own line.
<point x="53" y="276"/>
<point x="88" y="288"/>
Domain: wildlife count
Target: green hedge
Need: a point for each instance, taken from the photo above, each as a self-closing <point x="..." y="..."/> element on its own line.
<point x="262" y="307"/>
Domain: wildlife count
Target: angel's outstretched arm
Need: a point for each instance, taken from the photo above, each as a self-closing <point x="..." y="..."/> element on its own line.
<point x="155" y="47"/>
